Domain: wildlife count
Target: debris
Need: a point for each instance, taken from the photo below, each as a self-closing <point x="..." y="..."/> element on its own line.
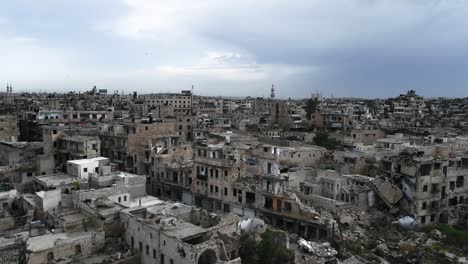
<point x="323" y="250"/>
<point x="388" y="192"/>
<point x="436" y="234"/>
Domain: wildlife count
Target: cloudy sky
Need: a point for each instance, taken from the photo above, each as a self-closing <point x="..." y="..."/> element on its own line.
<point x="361" y="48"/>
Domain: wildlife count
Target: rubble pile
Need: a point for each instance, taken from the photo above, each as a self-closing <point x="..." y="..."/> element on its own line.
<point x="375" y="236"/>
<point x="323" y="250"/>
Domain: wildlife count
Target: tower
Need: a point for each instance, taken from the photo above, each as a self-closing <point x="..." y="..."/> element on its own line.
<point x="272" y="94"/>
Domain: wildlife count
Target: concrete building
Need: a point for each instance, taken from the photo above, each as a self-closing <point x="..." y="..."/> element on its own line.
<point x="83" y="167"/>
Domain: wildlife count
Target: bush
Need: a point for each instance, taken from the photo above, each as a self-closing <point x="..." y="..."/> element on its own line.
<point x="457" y="236"/>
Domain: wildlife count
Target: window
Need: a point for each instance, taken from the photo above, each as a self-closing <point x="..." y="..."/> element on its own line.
<point x="225" y="191"/>
<point x="424" y="205"/>
<point x="423" y="219"/>
<point x="125" y="198"/>
<point x="147" y="250"/>
<point x="452" y="186"/>
<point x="154" y="254"/>
<point x="287" y="206"/>
<point x="54" y="132"/>
<point x="85" y="169"/>
<point x="460" y="181"/>
<point x="425" y="188"/>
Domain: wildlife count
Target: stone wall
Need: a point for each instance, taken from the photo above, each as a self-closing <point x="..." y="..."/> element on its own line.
<point x="11" y="254"/>
<point x="88" y="243"/>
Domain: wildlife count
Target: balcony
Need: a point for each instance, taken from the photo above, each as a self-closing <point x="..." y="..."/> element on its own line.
<point x="215" y="162"/>
<point x="202" y="177"/>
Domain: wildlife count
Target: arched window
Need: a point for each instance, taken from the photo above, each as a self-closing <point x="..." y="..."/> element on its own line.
<point x="78" y="249"/>
<point x="208" y="257"/>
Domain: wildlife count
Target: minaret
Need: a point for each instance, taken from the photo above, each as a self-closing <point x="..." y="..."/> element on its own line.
<point x="272" y="95"/>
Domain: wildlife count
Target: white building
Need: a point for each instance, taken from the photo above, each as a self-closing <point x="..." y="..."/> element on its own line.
<point x="81" y="168"/>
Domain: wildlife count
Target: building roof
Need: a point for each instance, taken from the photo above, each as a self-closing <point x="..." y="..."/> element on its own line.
<point x="85" y="161"/>
<point x="57" y="179"/>
<point x="26" y="146"/>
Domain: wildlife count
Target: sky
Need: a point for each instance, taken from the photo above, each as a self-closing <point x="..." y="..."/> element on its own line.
<point x="340" y="48"/>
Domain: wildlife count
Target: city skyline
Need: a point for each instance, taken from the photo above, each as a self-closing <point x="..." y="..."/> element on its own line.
<point x="370" y="49"/>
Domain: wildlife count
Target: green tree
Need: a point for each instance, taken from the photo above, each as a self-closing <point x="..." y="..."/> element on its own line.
<point x="266" y="248"/>
<point x="311" y="106"/>
<point x="321" y="139"/>
<point x="265" y="251"/>
<point x="248" y="247"/>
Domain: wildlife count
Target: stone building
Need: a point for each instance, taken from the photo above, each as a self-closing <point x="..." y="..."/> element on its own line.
<point x="176" y="233"/>
<point x="434" y="186"/>
<point x="181" y="105"/>
<point x="8" y="128"/>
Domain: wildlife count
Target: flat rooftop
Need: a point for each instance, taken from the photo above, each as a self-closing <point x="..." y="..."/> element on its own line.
<point x="57" y="179"/>
<point x="50" y="240"/>
<point x="145" y="201"/>
<point x="84" y="161"/>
